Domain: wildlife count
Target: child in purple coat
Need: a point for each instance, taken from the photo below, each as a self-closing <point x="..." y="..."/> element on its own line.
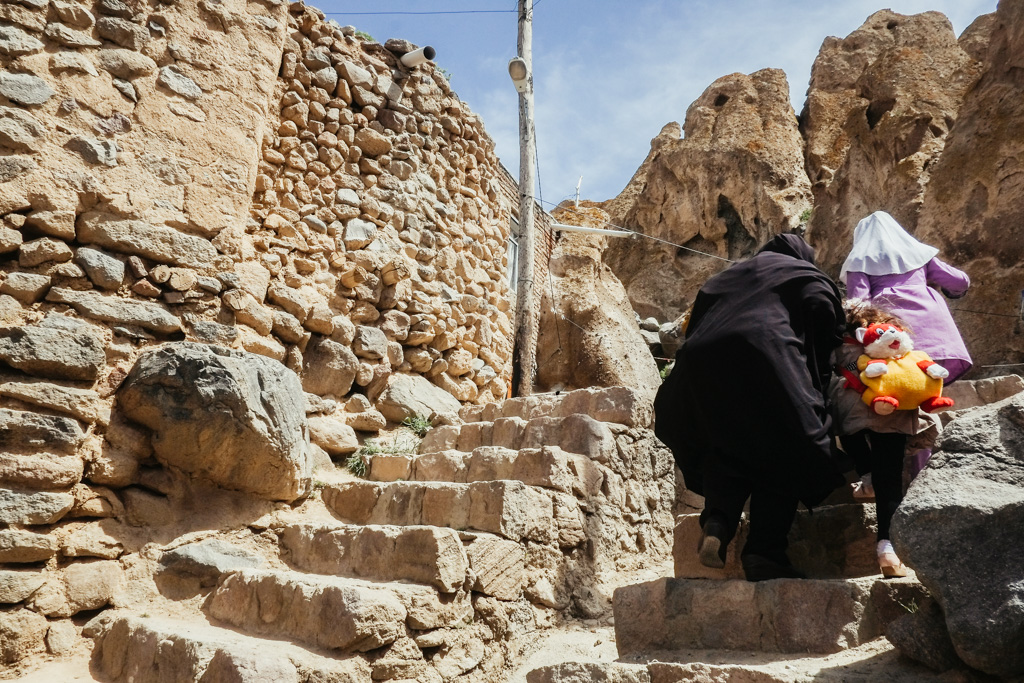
<point x="890" y="269"/>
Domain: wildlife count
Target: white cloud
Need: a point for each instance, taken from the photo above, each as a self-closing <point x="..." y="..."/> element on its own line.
<point x="606" y="86"/>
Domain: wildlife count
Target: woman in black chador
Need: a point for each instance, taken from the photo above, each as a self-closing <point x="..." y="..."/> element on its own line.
<point x="744" y="408"/>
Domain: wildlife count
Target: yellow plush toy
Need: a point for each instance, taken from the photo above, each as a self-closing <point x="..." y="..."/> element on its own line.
<point x="896" y="376"/>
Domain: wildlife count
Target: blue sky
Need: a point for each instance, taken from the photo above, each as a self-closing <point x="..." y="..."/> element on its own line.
<point x="608" y="75"/>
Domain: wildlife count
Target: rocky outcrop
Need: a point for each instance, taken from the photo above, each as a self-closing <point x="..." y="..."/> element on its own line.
<point x="588" y="332"/>
<point x="880" y="105"/>
<point x="234" y="418"/>
<point x="972" y="208"/>
<point x="958" y="528"/>
<point x="735" y="179"/>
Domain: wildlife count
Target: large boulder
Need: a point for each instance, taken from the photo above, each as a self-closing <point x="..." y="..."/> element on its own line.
<point x="879" y="107"/>
<point x="235" y="418"/>
<point x="734" y="179"/>
<point x="972" y="208"/>
<point x="601" y="345"/>
<point x="959" y="528"/>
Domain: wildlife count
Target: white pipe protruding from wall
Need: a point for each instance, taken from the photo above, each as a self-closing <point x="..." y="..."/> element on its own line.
<point x="417" y="57"/>
<point x="591" y="231"/>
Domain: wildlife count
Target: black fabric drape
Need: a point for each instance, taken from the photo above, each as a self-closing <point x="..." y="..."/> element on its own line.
<point x="747" y="394"/>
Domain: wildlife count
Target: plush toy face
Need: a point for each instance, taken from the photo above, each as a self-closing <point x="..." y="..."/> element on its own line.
<point x="883" y="340"/>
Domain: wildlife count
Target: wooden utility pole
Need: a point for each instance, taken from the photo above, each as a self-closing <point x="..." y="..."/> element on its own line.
<point x="524" y="366"/>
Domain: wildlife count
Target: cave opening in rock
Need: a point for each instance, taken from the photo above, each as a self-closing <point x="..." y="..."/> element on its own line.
<point x="739" y="241"/>
<point x="877" y="109"/>
<point x="721" y="100"/>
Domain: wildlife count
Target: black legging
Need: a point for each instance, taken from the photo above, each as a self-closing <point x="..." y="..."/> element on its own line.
<point x="771" y="513"/>
<point x="881" y="454"/>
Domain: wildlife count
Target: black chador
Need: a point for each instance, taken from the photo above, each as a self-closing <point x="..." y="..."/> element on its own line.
<point x="744" y="407"/>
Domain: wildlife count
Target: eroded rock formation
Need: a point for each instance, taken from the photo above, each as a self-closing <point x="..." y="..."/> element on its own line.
<point x="588" y="331"/>
<point x="877" y="134"/>
<point x="734" y="179"/>
<point x="973" y="210"/>
<point x="880" y="105"/>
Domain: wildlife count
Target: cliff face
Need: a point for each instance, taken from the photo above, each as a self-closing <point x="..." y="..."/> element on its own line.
<point x="880" y="105"/>
<point x="973" y="207"/>
<point x="733" y="180"/>
<point x="588" y="332"/>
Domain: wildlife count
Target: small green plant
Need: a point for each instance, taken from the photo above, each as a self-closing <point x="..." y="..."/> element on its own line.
<point x="445" y="72"/>
<point x="144" y="615"/>
<point x="401" y="443"/>
<point x="356" y="464"/>
<point x="666" y="370"/>
<point x="363" y="35"/>
<point x="319" y="484"/>
<point x="398" y="444"/>
<point x="417" y="424"/>
<point x="911" y="606"/>
<point x="371" y="447"/>
<point x="806" y="215"/>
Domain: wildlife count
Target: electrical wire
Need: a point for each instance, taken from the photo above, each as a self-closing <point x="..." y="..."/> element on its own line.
<point x="463" y="11"/>
<point x="998" y="315"/>
<point x="640" y="234"/>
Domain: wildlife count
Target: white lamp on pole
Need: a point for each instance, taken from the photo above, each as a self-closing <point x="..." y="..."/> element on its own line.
<point x="519" y="73"/>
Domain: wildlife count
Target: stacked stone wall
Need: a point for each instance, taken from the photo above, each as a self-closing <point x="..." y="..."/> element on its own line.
<point x="379" y="198"/>
<point x="250" y="175"/>
<point x="236" y="173"/>
<point x="544" y="240"/>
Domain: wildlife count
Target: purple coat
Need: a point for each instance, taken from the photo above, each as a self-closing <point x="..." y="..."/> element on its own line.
<point x="909" y="296"/>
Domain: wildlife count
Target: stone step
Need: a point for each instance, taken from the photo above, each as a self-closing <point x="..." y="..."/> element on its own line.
<point x="876" y="660"/>
<point x="620" y="405"/>
<point x="580" y="434"/>
<point x="421" y="554"/>
<point x="330" y="612"/>
<point x="546" y="467"/>
<point x="785" y="615"/>
<point x="439" y="557"/>
<point x="510" y="509"/>
<point x="837" y="541"/>
<point x="136" y="649"/>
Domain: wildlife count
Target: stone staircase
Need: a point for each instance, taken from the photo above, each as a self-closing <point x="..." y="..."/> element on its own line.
<point x="441" y="565"/>
<point x="708" y="615"/>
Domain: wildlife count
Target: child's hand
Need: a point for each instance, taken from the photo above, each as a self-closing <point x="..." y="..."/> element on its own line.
<point x="936" y="371"/>
<point x="952" y="295"/>
<point x="877" y="369"/>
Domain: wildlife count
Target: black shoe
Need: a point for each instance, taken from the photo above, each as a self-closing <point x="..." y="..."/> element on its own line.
<point x="713" y="542"/>
<point x="759" y="568"/>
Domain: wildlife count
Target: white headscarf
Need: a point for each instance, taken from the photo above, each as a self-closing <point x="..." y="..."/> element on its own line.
<point x="882" y="247"/>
